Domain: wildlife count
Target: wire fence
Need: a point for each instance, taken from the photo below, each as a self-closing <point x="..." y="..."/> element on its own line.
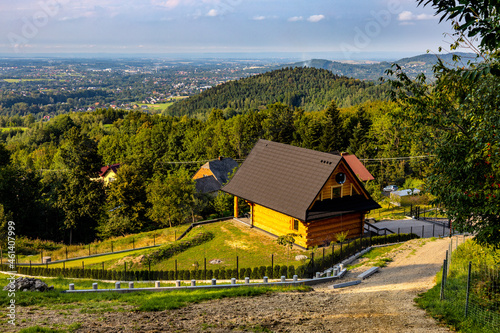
<point x="471" y="291"/>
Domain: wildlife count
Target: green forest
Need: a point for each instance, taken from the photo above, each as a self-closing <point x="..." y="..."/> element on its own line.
<point x="48" y="167"/>
<point x="311" y="89"/>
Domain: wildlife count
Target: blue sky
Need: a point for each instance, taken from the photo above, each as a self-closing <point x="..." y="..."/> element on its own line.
<point x="341" y="27"/>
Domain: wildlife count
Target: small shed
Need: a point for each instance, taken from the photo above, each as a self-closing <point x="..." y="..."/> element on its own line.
<point x="312" y="194"/>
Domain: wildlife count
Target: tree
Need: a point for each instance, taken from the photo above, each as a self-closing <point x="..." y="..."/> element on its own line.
<point x="171" y="198"/>
<point x="287" y="241"/>
<point x="462" y="109"/>
<point x="332" y="138"/>
<point x="82" y="197"/>
<point x="126" y="203"/>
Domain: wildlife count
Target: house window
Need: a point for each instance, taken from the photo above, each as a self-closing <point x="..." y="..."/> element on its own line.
<point x="295" y="224"/>
<point x="336" y="191"/>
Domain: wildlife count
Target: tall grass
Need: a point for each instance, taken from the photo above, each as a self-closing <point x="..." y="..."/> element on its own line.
<point x="484" y="304"/>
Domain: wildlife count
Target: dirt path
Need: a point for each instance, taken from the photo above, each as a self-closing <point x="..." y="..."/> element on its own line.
<point x="381" y="303"/>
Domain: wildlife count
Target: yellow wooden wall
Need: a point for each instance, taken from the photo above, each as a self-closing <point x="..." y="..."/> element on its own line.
<point x="277" y="223"/>
<point x="310" y="233"/>
<point x="203" y="172"/>
<point x="350" y="187"/>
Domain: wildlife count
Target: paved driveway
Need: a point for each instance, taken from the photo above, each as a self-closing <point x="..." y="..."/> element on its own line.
<point x="428" y="229"/>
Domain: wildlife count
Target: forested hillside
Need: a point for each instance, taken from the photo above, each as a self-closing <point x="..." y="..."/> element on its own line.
<point x="311" y="89"/>
<point x="46" y="169"/>
<point x="412" y="66"/>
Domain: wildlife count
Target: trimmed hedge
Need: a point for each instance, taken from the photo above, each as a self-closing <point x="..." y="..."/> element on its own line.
<point x="170" y="250"/>
<point x="256" y="273"/>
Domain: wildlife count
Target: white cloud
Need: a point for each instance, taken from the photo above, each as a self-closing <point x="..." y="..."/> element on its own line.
<point x="259" y="18"/>
<point x="295" y="19"/>
<point x="409" y="16"/>
<point x="315" y="18"/>
<point x="213" y="12"/>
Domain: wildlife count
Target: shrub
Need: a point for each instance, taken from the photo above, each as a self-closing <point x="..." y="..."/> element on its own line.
<point x="262" y="272"/>
<point x="283" y="271"/>
<point x="291" y="271"/>
<point x="169" y="250"/>
<point x="269" y="272"/>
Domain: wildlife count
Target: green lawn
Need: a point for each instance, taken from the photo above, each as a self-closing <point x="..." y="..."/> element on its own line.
<point x="252" y="247"/>
<point x="8" y="129"/>
<point x="57" y="251"/>
<point x="113" y="302"/>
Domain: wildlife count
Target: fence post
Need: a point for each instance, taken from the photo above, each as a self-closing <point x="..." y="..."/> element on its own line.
<point x="312" y="261"/>
<point x="468" y="289"/>
<point x="111" y="246"/>
<point x="125" y="271"/>
<point x="323" y="260"/>
<point x="237" y="268"/>
<point x="341" y="257"/>
<point x="176" y="269"/>
<point x="30" y="268"/>
<point x="66" y="253"/>
<point x="41" y="256"/>
<point x="443" y="280"/>
<point x="423" y="231"/>
<point x="133" y="244"/>
<point x="154" y="240"/>
<point x="89" y="249"/>
<point x="399" y="236"/>
<point x="333" y="254"/>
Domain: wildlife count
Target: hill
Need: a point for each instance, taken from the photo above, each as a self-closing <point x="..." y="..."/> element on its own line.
<point x="373" y="71"/>
<point x="306" y="87"/>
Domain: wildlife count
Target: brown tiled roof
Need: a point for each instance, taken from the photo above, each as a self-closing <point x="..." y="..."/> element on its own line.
<point x="357" y="167"/>
<point x="282" y="177"/>
<point x="286" y="179"/>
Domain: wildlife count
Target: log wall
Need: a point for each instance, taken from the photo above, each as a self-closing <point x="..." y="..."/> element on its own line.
<point x="310" y="234"/>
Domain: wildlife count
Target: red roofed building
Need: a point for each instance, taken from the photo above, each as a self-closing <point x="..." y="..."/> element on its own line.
<point x="357" y="167"/>
<point x="108" y="173"/>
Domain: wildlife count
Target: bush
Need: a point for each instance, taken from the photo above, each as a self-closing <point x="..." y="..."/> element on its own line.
<point x="262" y="272"/>
<point x="283" y="271"/>
<point x="269" y="272"/>
<point x="291" y="271"/>
<point x="169" y="250"/>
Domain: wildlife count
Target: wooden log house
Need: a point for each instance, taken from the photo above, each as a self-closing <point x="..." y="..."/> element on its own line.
<point x="312" y="194"/>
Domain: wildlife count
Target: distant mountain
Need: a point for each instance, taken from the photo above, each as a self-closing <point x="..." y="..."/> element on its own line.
<point x="310" y="88"/>
<point x="373" y="71"/>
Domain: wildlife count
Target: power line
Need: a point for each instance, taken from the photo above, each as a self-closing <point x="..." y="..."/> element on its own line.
<point x="394" y="158"/>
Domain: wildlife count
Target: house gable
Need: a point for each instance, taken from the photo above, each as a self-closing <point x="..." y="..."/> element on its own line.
<point x="281" y="177"/>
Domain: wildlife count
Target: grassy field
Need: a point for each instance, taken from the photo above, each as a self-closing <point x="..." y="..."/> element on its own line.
<point x="232" y="239"/>
<point x="8" y="129"/>
<point x="252" y="247"/>
<point x="118" y="302"/>
<point x="484" y="303"/>
<point x="19" y="80"/>
<point x="392" y="212"/>
<point x="58" y="251"/>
